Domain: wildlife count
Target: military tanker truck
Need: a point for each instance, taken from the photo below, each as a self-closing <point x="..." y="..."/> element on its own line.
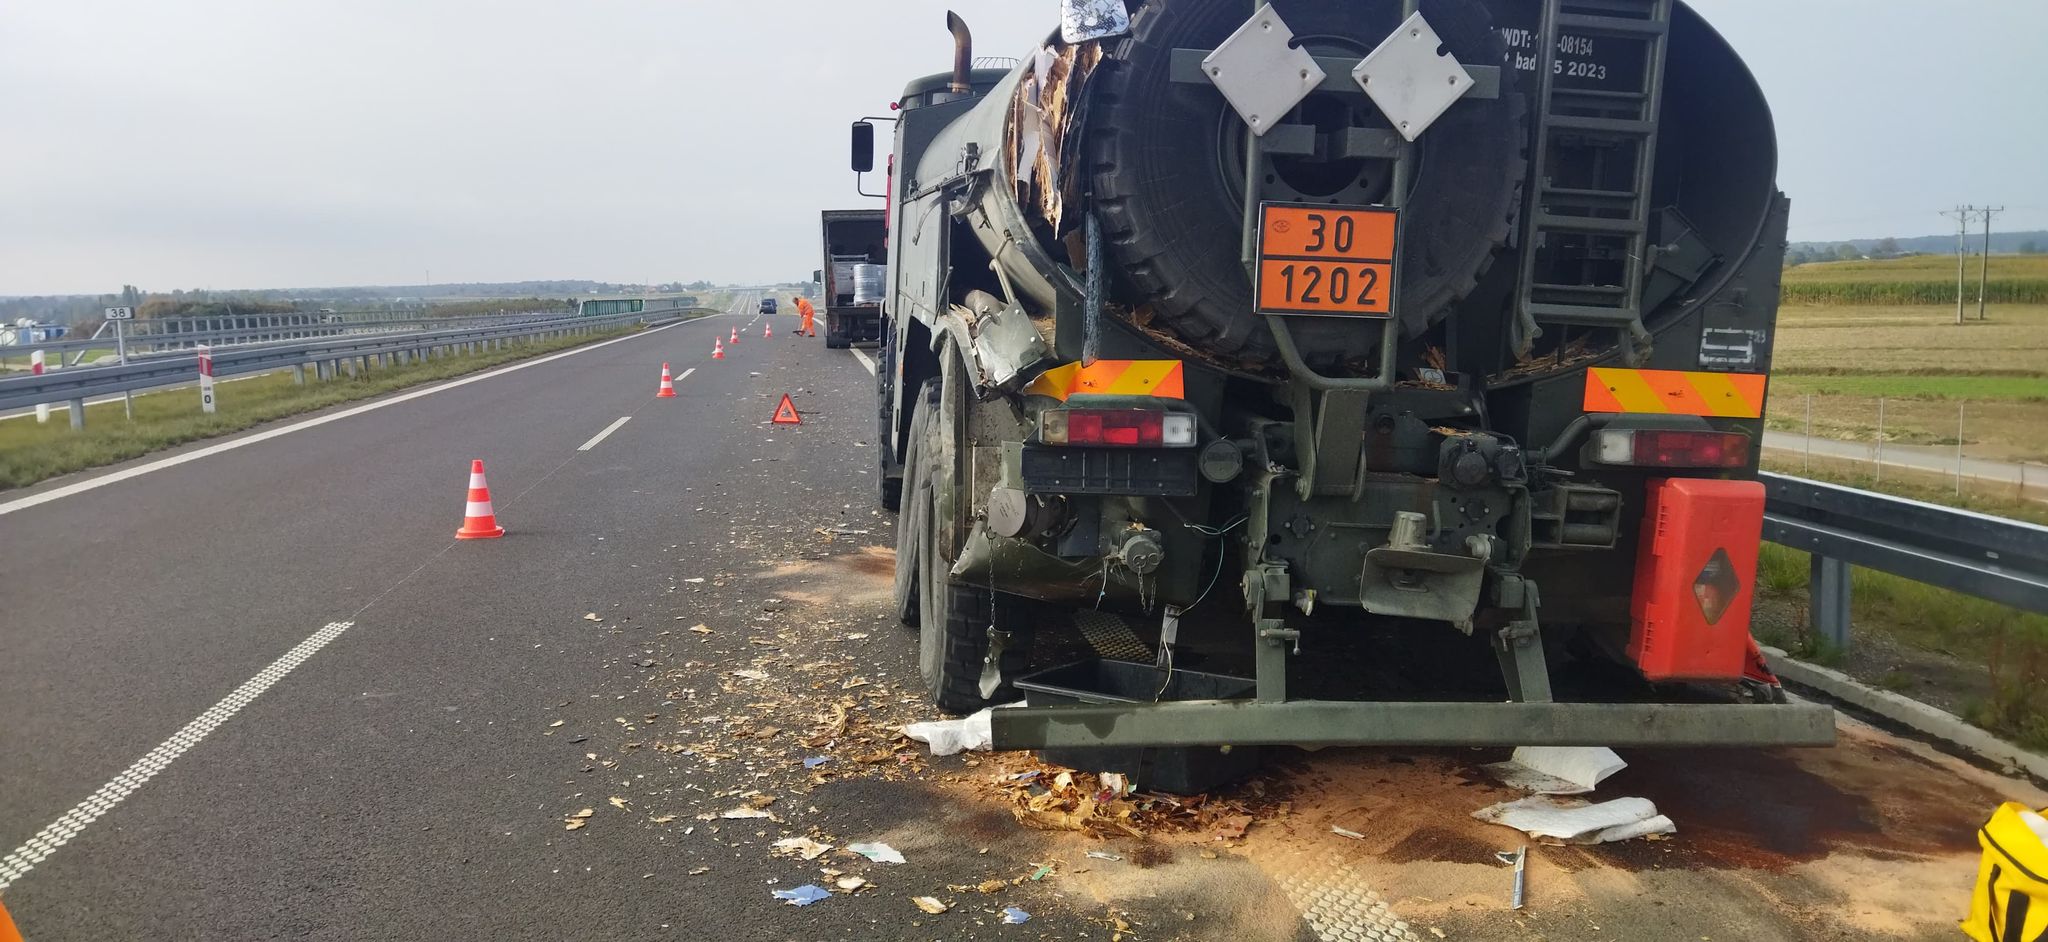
<point x="1443" y="326"/>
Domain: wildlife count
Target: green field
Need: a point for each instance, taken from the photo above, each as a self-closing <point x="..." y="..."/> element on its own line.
<point x="32" y="451"/>
<point x="1919" y="279"/>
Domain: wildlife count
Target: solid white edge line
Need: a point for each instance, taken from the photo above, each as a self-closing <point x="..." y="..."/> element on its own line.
<point x="592" y="443"/>
<point x="209" y="451"/>
<point x="865" y="360"/>
<point x="39" y="848"/>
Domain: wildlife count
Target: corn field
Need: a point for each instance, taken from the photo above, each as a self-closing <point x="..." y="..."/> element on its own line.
<point x="1833" y="293"/>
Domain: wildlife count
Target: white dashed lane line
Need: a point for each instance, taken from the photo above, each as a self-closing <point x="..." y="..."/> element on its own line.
<point x="60" y="832"/>
<point x="592" y="443"/>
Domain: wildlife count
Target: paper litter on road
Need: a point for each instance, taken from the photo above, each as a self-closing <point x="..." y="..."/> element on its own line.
<point x="1013" y="916"/>
<point x="801" y="846"/>
<point x="879" y="853"/>
<point x="930" y="904"/>
<point x="802" y="896"/>
<point x="951" y="737"/>
<point x="1557" y="770"/>
<point x="1573" y="821"/>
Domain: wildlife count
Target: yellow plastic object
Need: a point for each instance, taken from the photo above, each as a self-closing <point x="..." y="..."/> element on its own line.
<point x="2011" y="900"/>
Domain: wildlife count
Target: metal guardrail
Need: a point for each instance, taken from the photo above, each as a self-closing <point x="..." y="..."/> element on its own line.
<point x="77" y="385"/>
<point x="147" y="338"/>
<point x="1994" y="558"/>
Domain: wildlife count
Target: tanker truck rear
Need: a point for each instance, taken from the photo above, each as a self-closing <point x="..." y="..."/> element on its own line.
<point x="1436" y="331"/>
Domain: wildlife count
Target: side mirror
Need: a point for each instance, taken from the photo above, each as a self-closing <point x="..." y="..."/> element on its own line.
<point x="817" y="276"/>
<point x="863" y="146"/>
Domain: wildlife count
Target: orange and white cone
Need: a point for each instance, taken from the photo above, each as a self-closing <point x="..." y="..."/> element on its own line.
<point x="479" y="521"/>
<point x="668" y="385"/>
<point x="767" y="331"/>
<point x="735" y="336"/>
<point x="717" y="349"/>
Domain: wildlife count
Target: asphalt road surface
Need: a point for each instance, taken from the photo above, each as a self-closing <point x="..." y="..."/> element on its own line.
<point x="260" y="693"/>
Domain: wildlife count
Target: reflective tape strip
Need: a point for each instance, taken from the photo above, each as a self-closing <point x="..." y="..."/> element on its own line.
<point x="1165" y="379"/>
<point x="476" y="482"/>
<point x="479" y="508"/>
<point x="1673" y="392"/>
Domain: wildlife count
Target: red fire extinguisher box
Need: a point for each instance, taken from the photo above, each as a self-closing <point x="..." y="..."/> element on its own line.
<point x="1696" y="579"/>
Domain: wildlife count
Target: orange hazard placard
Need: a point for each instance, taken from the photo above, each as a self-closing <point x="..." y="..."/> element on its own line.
<point x="785" y="414"/>
<point x="1328" y="260"/>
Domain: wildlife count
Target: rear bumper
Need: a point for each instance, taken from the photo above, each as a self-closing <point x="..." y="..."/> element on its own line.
<point x="1338" y="723"/>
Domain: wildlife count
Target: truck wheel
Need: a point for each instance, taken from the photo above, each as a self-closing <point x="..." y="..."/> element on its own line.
<point x="953" y="620"/>
<point x="891" y="485"/>
<point x="910" y="526"/>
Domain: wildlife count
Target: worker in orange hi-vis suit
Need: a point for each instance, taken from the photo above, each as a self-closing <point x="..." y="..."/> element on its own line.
<point x="810" y="327"/>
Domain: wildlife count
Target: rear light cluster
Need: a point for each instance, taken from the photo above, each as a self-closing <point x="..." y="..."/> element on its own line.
<point x="1117" y="428"/>
<point x="1663" y="448"/>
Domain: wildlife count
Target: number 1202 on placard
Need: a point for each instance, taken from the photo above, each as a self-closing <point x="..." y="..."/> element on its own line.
<point x="1326" y="260"/>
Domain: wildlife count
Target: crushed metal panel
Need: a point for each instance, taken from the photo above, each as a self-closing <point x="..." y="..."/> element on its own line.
<point x="1410" y="80"/>
<point x="1043" y="136"/>
<point x="1261" y="72"/>
<point x="1085" y="20"/>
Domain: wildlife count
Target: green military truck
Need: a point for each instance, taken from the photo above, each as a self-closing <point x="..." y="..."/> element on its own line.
<point x="1406" y="361"/>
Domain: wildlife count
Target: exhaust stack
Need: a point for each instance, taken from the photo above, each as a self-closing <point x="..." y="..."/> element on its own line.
<point x="963" y="53"/>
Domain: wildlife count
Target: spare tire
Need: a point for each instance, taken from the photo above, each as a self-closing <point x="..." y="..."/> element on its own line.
<point x="1168" y="162"/>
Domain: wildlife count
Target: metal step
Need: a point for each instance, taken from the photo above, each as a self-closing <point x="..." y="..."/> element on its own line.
<point x="1615" y="126"/>
<point x="1585" y="315"/>
<point x="1611" y="25"/>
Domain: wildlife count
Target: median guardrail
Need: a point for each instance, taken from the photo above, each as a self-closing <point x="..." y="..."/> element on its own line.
<point x="327" y="356"/>
<point x="150" y="338"/>
<point x="1994" y="558"/>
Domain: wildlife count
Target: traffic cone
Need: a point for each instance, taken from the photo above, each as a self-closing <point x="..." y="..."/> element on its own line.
<point x="767" y="331"/>
<point x="717" y="349"/>
<point x="668" y="385"/>
<point x="735" y="336"/>
<point x="479" y="521"/>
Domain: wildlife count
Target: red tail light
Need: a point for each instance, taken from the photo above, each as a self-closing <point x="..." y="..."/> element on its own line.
<point x="1664" y="448"/>
<point x="1117" y="428"/>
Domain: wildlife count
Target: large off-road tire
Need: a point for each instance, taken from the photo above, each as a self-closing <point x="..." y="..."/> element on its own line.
<point x="953" y="619"/>
<point x="912" y="522"/>
<point x="1168" y="164"/>
<point x="889" y="483"/>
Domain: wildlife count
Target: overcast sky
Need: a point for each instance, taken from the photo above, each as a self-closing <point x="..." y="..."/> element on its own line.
<point x="259" y="143"/>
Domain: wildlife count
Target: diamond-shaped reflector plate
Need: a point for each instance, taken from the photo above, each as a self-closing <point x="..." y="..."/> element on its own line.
<point x="1716" y="586"/>
<point x="1261" y="72"/>
<point x="1410" y="80"/>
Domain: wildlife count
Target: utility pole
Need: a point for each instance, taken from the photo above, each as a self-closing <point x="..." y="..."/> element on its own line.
<point x="1984" y="267"/>
<point x="1962" y="214"/>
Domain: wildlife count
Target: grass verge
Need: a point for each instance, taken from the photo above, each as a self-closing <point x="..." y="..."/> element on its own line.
<point x="32" y="451"/>
<point x="2006" y="649"/>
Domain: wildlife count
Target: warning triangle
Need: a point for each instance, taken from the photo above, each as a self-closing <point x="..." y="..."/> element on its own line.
<point x="785" y="414"/>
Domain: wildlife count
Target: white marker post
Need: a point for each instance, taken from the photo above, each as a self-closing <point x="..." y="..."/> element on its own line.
<point x="35" y="368"/>
<point x="206" y="379"/>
